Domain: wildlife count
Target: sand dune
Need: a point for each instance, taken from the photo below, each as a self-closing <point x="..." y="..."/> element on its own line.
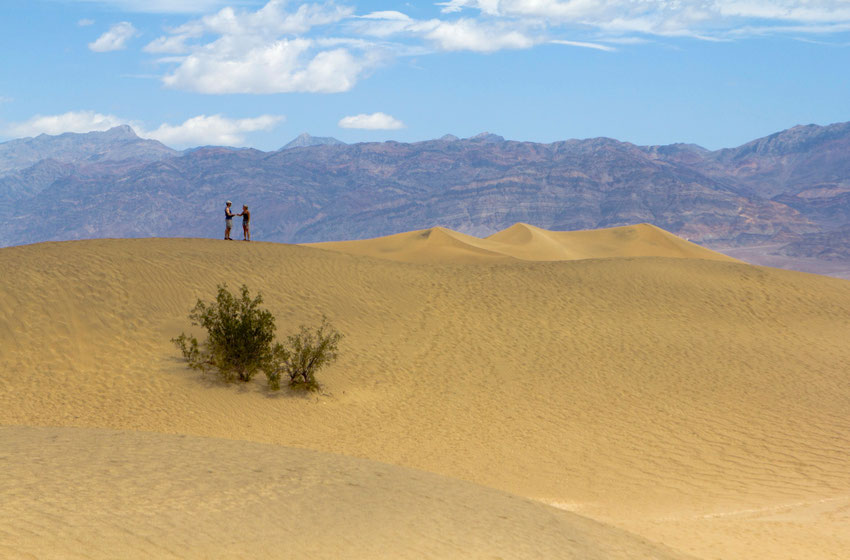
<point x="657" y="394"/>
<point x="433" y="245"/>
<point x="118" y="493"/>
<point x="525" y="242"/>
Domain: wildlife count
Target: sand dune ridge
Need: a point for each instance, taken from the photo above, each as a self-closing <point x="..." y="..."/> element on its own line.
<point x="527" y="243"/>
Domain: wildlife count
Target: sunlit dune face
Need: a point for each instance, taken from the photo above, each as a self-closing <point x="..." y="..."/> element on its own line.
<point x="697" y="402"/>
<point x="527" y="243"/>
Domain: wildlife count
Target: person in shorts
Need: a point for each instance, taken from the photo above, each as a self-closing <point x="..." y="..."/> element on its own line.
<point x="228" y="220"/>
<point x="246" y="223"/>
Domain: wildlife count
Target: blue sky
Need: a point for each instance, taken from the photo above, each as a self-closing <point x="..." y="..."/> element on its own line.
<point x="258" y="73"/>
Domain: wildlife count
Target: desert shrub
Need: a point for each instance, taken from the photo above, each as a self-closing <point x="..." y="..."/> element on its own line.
<point x="241" y="342"/>
<point x="305" y="354"/>
<point x="240" y="336"/>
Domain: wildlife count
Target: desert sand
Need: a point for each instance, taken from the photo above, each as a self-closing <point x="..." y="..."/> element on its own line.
<point x="525" y="242"/>
<point x="611" y="394"/>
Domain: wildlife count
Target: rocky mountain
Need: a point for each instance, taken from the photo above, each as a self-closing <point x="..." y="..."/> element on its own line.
<point x="116" y="144"/>
<point x="829" y="246"/>
<point x="806" y="168"/>
<point x="305" y="141"/>
<point x="787" y="188"/>
<point x="795" y="161"/>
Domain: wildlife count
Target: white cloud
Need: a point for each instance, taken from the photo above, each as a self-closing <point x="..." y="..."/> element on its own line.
<point x="375" y="121"/>
<point x="381" y="24"/>
<point x="788" y="10"/>
<point x="199" y="130"/>
<point x="664" y="17"/>
<point x="213" y="129"/>
<point x="85" y="22"/>
<point x="231" y="66"/>
<point x="464" y="34"/>
<point x="175" y="44"/>
<point x="115" y="39"/>
<point x="285" y="46"/>
<point x="72" y="121"/>
<point x="273" y="19"/>
<point x="583" y="44"/>
<point x="822" y="11"/>
<point x="387" y="14"/>
<point x="264" y="51"/>
<point x="470" y="35"/>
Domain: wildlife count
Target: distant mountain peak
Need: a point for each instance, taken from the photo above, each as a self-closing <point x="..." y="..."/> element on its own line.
<point x="304" y="140"/>
<point x="449" y="138"/>
<point x="487" y="137"/>
<point x="121" y="131"/>
<point x="797" y="139"/>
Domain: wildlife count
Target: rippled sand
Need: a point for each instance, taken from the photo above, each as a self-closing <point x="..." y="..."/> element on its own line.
<point x="694" y="401"/>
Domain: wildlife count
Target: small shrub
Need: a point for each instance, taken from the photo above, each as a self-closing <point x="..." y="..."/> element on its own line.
<point x="240" y="336"/>
<point x="305" y="354"/>
<point x="241" y="342"/>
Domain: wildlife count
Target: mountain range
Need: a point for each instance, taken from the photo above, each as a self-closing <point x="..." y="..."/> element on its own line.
<point x="785" y="196"/>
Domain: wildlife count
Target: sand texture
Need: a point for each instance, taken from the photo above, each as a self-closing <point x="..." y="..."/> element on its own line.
<point x="145" y="495"/>
<point x="698" y="403"/>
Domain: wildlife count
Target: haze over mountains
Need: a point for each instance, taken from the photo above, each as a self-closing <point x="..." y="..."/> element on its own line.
<point x="785" y="197"/>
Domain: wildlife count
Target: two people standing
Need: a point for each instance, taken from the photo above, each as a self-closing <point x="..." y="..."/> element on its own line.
<point x="228" y="222"/>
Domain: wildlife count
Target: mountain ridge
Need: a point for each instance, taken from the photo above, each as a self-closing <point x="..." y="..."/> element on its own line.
<point x="783" y="187"/>
<point x="117" y="143"/>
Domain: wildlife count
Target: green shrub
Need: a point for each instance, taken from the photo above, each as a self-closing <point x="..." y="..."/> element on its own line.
<point x="240" y="336"/>
<point x="241" y="342"/>
<point x="305" y="354"/>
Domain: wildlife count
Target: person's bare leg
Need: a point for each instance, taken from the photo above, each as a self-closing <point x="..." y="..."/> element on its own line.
<point x="227" y="233"/>
<point x="246" y="233"/>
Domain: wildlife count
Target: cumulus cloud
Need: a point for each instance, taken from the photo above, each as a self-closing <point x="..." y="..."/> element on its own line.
<point x="115" y="39"/>
<point x="265" y="51"/>
<point x="375" y="121"/>
<point x="213" y="129"/>
<point x="285" y="65"/>
<point x="202" y="129"/>
<point x="471" y="35"/>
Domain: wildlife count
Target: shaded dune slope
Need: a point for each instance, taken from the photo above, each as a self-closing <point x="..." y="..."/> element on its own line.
<point x="655" y="393"/>
<point x="143" y="495"/>
<point x="525" y="242"/>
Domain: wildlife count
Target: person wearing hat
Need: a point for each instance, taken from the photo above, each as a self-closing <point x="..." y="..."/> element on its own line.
<point x="246" y="223"/>
<point x="228" y="220"/>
